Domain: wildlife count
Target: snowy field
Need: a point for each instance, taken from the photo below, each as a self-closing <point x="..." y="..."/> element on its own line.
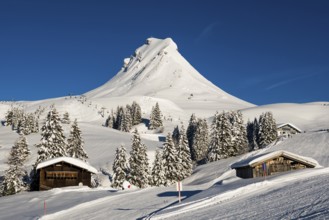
<point x="213" y="191"/>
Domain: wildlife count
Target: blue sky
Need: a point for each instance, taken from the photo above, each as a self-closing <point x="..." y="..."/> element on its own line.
<point x="260" y="51"/>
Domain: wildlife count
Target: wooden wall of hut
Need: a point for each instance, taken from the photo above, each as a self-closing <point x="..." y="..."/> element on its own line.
<point x="63" y="174"/>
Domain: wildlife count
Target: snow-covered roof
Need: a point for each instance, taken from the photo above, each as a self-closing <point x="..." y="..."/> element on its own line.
<point x="253" y="161"/>
<point x="289" y="124"/>
<point x="70" y="160"/>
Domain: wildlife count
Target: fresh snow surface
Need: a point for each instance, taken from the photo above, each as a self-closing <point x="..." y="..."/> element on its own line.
<point x="158" y="73"/>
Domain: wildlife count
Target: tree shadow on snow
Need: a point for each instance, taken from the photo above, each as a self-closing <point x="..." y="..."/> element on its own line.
<point x="184" y="194"/>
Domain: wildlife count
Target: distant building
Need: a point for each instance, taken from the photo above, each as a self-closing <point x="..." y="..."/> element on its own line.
<point x="287" y="130"/>
<point x="64" y="171"/>
<point x="271" y="163"/>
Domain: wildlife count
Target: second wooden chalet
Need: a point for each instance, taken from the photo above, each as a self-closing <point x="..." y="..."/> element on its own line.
<point x="64" y="171"/>
<point x="271" y="163"/>
<point x="287" y="130"/>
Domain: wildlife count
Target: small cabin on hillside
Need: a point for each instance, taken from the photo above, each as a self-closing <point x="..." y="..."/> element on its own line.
<point x="287" y="130"/>
<point x="271" y="163"/>
<point x="64" y="171"/>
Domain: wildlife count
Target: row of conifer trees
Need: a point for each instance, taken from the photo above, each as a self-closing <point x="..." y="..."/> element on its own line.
<point x="124" y="118"/>
<point x="172" y="164"/>
<point x="183" y="149"/>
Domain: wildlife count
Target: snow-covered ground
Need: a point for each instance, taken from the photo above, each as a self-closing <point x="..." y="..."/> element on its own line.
<point x="158" y="73"/>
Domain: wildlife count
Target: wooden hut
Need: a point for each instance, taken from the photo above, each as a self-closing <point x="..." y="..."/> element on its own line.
<point x="271" y="163"/>
<point x="64" y="171"/>
<point x="287" y="130"/>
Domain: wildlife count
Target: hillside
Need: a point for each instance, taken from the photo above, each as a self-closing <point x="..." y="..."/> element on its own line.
<point x="157" y="72"/>
<point x="210" y="192"/>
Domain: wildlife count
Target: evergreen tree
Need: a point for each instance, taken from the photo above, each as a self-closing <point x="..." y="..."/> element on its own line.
<point x="9" y="117"/>
<point x="126" y="121"/>
<point x="120" y="118"/>
<point x="138" y="163"/>
<point x="13" y="117"/>
<point x="176" y="135"/>
<point x="75" y="143"/>
<point x="119" y="167"/>
<point x="12" y="182"/>
<point x="267" y="129"/>
<point x="13" y="178"/>
<point x="110" y="121"/>
<point x="22" y="127"/>
<point x="184" y="155"/>
<point x="252" y="134"/>
<point x="66" y="118"/>
<point x="221" y="138"/>
<point x="157" y="174"/>
<point x="171" y="161"/>
<point x="239" y="133"/>
<point x="52" y="138"/>
<point x="136" y="113"/>
<point x="19" y="152"/>
<point x="200" y="141"/>
<point x="27" y="124"/>
<point x="155" y="119"/>
<point x="256" y="134"/>
<point x="190" y="132"/>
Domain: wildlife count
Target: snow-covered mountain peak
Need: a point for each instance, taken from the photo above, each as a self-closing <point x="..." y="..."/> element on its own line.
<point x="158" y="70"/>
<point x="152" y="48"/>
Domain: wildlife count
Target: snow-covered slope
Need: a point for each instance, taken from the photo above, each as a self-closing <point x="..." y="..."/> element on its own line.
<point x="309" y="116"/>
<point x="158" y="70"/>
<point x="158" y="73"/>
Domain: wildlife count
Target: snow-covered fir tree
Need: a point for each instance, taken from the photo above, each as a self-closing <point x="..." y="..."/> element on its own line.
<point x="175" y="135"/>
<point x="252" y="133"/>
<point x="75" y="143"/>
<point x="32" y="123"/>
<point x="9" y="117"/>
<point x="138" y="162"/>
<point x="66" y="118"/>
<point x="19" y="152"/>
<point x="119" y="118"/>
<point x="200" y="141"/>
<point x="52" y="138"/>
<point x="110" y="120"/>
<point x="239" y="133"/>
<point x="256" y="131"/>
<point x="170" y="161"/>
<point x="13" y="117"/>
<point x="22" y="127"/>
<point x="267" y="129"/>
<point x="119" y="167"/>
<point x="155" y="118"/>
<point x="184" y="155"/>
<point x="12" y="182"/>
<point x="27" y="124"/>
<point x="157" y="174"/>
<point x="13" y="178"/>
<point x="221" y="139"/>
<point x="126" y="121"/>
<point x="190" y="132"/>
<point x="136" y="113"/>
